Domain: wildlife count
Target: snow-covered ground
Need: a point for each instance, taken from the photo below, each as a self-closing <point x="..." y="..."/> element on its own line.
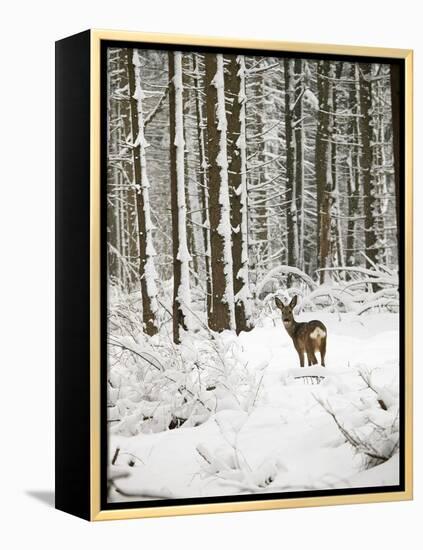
<point x="286" y="440"/>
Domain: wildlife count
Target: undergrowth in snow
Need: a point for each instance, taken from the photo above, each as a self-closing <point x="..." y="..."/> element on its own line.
<point x="224" y="414"/>
<point x="155" y="385"/>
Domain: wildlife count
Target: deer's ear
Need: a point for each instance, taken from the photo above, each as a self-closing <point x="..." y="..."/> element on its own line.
<point x="293" y="302"/>
<point x="278" y="303"/>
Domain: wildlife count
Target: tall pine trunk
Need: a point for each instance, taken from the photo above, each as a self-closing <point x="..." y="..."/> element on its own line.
<point x="323" y="167"/>
<point x="222" y="315"/>
<point x="127" y="170"/>
<point x="237" y="181"/>
<point x="113" y="248"/>
<point x="299" y="162"/>
<point x="203" y="180"/>
<point x="290" y="208"/>
<point x="147" y="271"/>
<point x="396" y="139"/>
<point x="354" y="180"/>
<point x="366" y="164"/>
<point x="181" y="256"/>
<point x="337" y="248"/>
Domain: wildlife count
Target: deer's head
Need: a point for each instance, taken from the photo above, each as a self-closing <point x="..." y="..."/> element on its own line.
<point x="287" y="311"/>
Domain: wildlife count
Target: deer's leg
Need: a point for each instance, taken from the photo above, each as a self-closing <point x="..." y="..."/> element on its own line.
<point x="323" y="351"/>
<point x="309" y="356"/>
<point x="300" y="355"/>
<point x="312" y="360"/>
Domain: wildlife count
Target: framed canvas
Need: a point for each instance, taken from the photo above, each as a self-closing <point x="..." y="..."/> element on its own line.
<point x="234" y="274"/>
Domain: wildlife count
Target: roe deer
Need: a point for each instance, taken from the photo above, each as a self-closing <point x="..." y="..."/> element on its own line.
<point x="307" y="337"/>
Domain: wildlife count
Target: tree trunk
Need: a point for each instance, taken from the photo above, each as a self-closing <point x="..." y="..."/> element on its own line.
<point x="290" y="209"/>
<point x="147" y="271"/>
<point x="323" y="167"/>
<point x="131" y="227"/>
<point x="222" y="314"/>
<point x="201" y="126"/>
<point x="237" y="180"/>
<point x="396" y="140"/>
<point x="366" y="164"/>
<point x="299" y="163"/>
<point x="337" y="248"/>
<point x="353" y="182"/>
<point x="113" y="248"/>
<point x="181" y="256"/>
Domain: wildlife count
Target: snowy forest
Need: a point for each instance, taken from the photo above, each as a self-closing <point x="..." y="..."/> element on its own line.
<point x="233" y="180"/>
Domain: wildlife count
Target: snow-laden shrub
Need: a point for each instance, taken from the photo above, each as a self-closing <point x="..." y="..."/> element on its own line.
<point x="367" y="417"/>
<point x="228" y="465"/>
<point x="347" y="289"/>
<point x="356" y="290"/>
<point x="155" y="385"/>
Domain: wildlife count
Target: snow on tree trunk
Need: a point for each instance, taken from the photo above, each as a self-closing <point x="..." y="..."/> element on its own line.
<point x="366" y="163"/>
<point x="129" y="193"/>
<point x="299" y="162"/>
<point x="353" y="184"/>
<point x="323" y="167"/>
<point x="194" y="221"/>
<point x="181" y="255"/>
<point x="290" y="198"/>
<point x="203" y="180"/>
<point x="336" y="248"/>
<point x="395" y="81"/>
<point x="113" y="213"/>
<point x="237" y="179"/>
<point x="222" y="315"/>
<point x="147" y="270"/>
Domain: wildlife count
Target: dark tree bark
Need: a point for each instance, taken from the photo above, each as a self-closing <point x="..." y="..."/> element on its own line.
<point x="366" y="164"/>
<point x="203" y="173"/>
<point x="148" y="310"/>
<point x="179" y="320"/>
<point x="127" y="171"/>
<point x="290" y="164"/>
<point x="336" y="234"/>
<point x="396" y="133"/>
<point x="188" y="100"/>
<point x="353" y="182"/>
<point x="113" y="225"/>
<point x="323" y="166"/>
<point x="261" y="197"/>
<point x="299" y="162"/>
<point x="237" y="188"/>
<point x="220" y="314"/>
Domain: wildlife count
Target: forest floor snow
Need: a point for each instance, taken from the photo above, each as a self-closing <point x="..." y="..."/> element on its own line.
<point x="287" y="442"/>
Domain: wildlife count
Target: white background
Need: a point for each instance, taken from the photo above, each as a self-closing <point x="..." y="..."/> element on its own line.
<point x="28" y="32"/>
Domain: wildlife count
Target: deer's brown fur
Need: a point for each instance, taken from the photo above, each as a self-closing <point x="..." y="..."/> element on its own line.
<point x="308" y="338"/>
